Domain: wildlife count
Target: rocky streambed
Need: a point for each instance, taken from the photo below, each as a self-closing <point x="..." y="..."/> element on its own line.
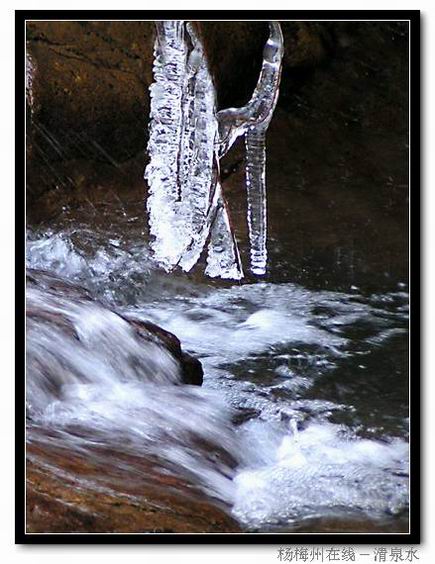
<point x="301" y="422"/>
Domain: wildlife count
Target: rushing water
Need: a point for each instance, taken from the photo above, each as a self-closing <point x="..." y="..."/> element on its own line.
<point x="305" y="395"/>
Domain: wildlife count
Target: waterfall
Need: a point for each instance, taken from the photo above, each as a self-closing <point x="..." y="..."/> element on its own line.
<point x="188" y="137"/>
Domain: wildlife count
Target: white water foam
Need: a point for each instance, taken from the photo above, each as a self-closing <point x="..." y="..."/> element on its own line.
<point x="319" y="471"/>
<point x="124" y="392"/>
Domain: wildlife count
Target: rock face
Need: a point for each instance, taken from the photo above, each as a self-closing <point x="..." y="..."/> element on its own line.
<point x="337" y="147"/>
<point x="90" y="81"/>
<point x="60" y="500"/>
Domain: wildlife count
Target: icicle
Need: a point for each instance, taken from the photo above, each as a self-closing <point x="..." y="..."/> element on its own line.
<point x="234" y="122"/>
<point x="185" y="203"/>
<point x="182" y="173"/>
<point x="253" y="121"/>
<point x="166" y="223"/>
<point x="223" y="258"/>
<point x="202" y="172"/>
<point x="256" y="193"/>
<point x="30" y="74"/>
<point x="267" y="95"/>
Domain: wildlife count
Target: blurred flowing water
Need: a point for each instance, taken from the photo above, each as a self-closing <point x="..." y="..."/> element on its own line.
<point x="304" y="409"/>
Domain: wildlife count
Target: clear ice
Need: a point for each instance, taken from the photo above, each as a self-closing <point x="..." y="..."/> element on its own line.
<point x="186" y="206"/>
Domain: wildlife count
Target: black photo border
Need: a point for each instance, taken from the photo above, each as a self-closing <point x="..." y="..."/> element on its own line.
<point x="414" y="535"/>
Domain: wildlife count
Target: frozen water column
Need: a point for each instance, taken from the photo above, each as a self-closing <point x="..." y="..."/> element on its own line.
<point x="187" y="209"/>
<point x="165" y="207"/>
<point x="255" y="139"/>
<point x="252" y="121"/>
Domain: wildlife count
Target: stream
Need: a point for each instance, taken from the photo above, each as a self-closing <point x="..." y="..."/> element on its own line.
<point x="303" y="413"/>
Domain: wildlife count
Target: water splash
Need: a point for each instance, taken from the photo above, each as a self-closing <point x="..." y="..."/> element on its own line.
<point x="92" y="381"/>
<point x="319" y="471"/>
<point x="186" y="205"/>
<point x="93" y="388"/>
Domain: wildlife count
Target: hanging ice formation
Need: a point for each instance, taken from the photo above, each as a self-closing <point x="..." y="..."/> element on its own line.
<point x="187" y="210"/>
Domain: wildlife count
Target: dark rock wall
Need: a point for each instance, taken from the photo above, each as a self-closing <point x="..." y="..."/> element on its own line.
<point x="338" y="141"/>
<point x="91" y="80"/>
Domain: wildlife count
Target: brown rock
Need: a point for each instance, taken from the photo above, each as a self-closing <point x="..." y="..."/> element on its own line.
<point x="68" y="492"/>
<point x="191" y="368"/>
<point x="90" y="80"/>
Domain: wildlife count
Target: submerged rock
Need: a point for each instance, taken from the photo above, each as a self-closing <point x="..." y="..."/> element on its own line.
<point x="191" y="368"/>
<point x="52" y="313"/>
<point x="81" y="476"/>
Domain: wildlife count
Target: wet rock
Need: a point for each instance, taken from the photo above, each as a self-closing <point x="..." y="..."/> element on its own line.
<point x="190" y="367"/>
<point x="349" y="524"/>
<point x="307" y="44"/>
<point x="90" y="96"/>
<point x="62" y="496"/>
<point x="90" y="84"/>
